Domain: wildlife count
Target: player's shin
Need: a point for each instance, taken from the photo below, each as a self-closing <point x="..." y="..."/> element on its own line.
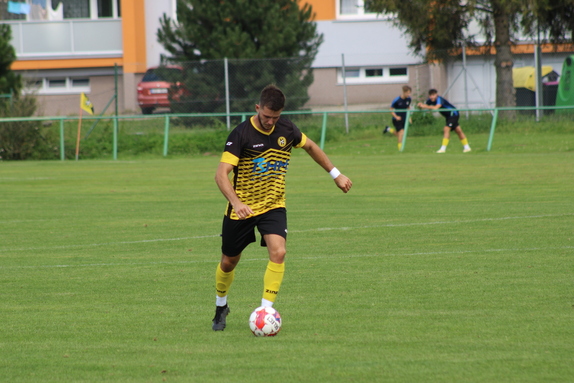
<point x="272" y="282"/>
<point x="223" y="282"/>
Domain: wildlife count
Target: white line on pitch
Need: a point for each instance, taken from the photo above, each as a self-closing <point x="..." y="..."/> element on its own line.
<point x="291" y="259"/>
<point x="291" y="231"/>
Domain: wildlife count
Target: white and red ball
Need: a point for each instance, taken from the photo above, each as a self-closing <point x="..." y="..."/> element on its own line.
<point x="265" y="321"/>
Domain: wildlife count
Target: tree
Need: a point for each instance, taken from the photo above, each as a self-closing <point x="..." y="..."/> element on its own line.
<point x="10" y="82"/>
<point x="18" y="139"/>
<point x="439" y="28"/>
<point x="244" y="31"/>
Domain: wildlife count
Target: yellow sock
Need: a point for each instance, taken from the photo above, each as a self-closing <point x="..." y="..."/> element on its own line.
<point x="445" y="142"/>
<point x="464" y="142"/>
<point x="272" y="280"/>
<point x="223" y="281"/>
<point x="400" y="145"/>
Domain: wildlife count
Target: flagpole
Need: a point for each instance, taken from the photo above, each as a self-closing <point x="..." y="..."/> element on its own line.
<point x="78" y="138"/>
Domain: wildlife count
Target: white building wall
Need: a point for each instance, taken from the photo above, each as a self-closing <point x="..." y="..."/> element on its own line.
<point x="481" y="78"/>
<point x="154" y="11"/>
<point x="364" y="43"/>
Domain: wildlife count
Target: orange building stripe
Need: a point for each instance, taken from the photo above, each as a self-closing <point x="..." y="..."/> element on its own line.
<point x="66" y="63"/>
<point x="520" y="49"/>
<point x="323" y="9"/>
<point x="134" y="43"/>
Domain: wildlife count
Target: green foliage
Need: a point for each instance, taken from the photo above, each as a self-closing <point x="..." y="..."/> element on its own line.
<point x="20" y="140"/>
<point x="9" y="81"/>
<point x="245" y="32"/>
<point x="554" y="17"/>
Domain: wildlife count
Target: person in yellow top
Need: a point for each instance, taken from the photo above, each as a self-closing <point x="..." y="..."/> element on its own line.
<point x="257" y="151"/>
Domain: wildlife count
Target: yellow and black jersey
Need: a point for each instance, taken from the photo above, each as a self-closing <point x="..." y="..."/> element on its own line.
<point x="260" y="161"/>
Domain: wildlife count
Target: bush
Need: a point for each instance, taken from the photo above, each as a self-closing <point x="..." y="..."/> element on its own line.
<point x="20" y="140"/>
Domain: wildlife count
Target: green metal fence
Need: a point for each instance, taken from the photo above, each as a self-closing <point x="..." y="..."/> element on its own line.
<point x="167" y="121"/>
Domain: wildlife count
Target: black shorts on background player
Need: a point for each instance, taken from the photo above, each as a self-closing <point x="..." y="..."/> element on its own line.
<point x="399" y="125"/>
<point x="400" y="105"/>
<point x="452" y="122"/>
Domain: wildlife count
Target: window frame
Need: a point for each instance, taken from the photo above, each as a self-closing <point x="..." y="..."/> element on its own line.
<point x="363" y="79"/>
<point x="92" y="7"/>
<point x="42" y="86"/>
<point x="361" y="14"/>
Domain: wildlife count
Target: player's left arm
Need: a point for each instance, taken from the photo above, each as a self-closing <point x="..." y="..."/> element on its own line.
<point x="319" y="156"/>
<point x="431" y="107"/>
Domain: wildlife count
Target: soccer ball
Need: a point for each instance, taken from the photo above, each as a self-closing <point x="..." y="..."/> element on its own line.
<point x="265" y="321"/>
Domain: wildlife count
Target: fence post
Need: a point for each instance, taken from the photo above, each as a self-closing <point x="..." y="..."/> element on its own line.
<point x="344" y="73"/>
<point x="227" y="107"/>
<point x="323" y="130"/>
<point x="166" y="135"/>
<point x="115" y="144"/>
<point x="62" y="151"/>
<point x="406" y="130"/>
<point x="492" y="128"/>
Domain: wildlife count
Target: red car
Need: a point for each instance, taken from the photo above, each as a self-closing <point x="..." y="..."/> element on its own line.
<point x="158" y="85"/>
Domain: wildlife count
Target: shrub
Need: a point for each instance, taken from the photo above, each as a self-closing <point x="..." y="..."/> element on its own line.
<point x="20" y="140"/>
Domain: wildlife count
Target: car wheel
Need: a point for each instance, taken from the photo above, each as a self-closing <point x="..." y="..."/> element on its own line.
<point x="147" y="110"/>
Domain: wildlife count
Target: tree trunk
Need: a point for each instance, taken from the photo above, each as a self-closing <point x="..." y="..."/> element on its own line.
<point x="505" y="93"/>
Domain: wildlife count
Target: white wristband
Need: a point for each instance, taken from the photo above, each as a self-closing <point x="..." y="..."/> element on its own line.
<point x="335" y="173"/>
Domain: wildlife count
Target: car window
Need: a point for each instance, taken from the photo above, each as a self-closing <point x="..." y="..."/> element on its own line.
<point x="162" y="74"/>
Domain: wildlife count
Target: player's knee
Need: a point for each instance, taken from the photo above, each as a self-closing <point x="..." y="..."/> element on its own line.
<point x="228" y="263"/>
<point x="277" y="255"/>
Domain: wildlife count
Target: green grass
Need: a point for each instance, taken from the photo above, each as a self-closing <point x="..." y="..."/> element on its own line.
<point x="434" y="268"/>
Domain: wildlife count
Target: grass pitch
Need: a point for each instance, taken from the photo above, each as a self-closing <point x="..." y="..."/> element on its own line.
<point x="434" y="268"/>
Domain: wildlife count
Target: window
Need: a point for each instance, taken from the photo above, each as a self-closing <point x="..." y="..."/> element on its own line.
<point x="80" y="82"/>
<point x="374" y="72"/>
<point x="373" y="75"/>
<point x="352" y="72"/>
<point x="398" y="72"/>
<point x="108" y="8"/>
<point x="76" y="9"/>
<point x="67" y="85"/>
<point x="11" y="11"/>
<point x="353" y="9"/>
<point x="57" y="84"/>
<point x="47" y="10"/>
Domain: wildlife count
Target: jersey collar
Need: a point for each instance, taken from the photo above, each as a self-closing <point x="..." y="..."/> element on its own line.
<point x="252" y="120"/>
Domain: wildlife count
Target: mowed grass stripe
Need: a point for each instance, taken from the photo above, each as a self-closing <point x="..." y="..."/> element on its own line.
<point x="344" y="228"/>
<point x="298" y="258"/>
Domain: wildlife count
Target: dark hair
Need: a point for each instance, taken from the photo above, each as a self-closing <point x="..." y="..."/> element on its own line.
<point x="433" y="91"/>
<point x="406" y="88"/>
<point x="272" y="97"/>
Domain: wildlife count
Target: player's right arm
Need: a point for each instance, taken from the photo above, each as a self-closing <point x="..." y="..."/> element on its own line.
<point x="226" y="188"/>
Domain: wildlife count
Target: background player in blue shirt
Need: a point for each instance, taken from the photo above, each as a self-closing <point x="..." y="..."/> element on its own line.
<point x="435" y="102"/>
<point x="402" y="102"/>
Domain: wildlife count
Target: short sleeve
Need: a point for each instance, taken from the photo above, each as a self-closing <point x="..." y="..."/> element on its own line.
<point x="232" y="150"/>
<point x="299" y="138"/>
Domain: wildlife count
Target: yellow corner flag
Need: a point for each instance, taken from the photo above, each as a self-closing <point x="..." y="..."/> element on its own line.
<point x="86" y="104"/>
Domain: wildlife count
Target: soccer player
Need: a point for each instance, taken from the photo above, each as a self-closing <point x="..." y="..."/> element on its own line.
<point x="257" y="152"/>
<point x="435" y="102"/>
<point x="401" y="102"/>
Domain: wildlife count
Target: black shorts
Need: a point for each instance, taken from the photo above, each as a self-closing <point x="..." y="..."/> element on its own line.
<point x="399" y="125"/>
<point x="452" y="122"/>
<point x="237" y="234"/>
